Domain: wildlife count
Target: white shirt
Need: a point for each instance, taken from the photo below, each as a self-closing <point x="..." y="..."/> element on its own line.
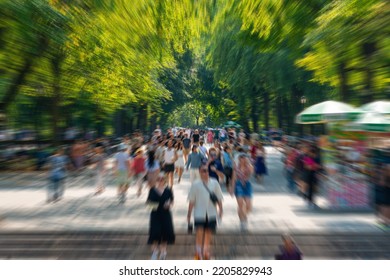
<point x="122" y="158"/>
<point x="201" y="197"/>
<point x="169" y="156"/>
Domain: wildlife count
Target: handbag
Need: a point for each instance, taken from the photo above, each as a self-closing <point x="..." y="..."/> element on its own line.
<point x="214" y="199"/>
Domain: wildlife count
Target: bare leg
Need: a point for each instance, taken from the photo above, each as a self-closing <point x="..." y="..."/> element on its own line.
<point x="200" y="232"/>
<point x="206" y="244"/>
<point x="163" y="250"/>
<point x="180" y="174"/>
<point x="241" y="209"/>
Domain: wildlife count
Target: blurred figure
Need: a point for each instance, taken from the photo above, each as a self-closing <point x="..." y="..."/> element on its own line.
<point x="205" y="211"/>
<point x="289" y="250"/>
<point x="195" y="161"/>
<point x="122" y="171"/>
<point x="291" y="155"/>
<point x="41" y="157"/>
<point x="195" y="137"/>
<point x="243" y="189"/>
<point x="161" y="231"/>
<point x="210" y="137"/>
<point x="227" y="163"/>
<point x="57" y="174"/>
<point x="99" y="160"/>
<point x="179" y="164"/>
<point x="78" y="155"/>
<point x="186" y="146"/>
<point x="203" y="149"/>
<point x="259" y="156"/>
<point x="384" y="185"/>
<point x="218" y="148"/>
<point x="215" y="166"/>
<point x="311" y="167"/>
<point x="169" y="162"/>
<point x="152" y="168"/>
<point x="138" y="171"/>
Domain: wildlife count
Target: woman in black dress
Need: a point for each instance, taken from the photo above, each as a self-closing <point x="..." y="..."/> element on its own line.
<point x="161" y="231"/>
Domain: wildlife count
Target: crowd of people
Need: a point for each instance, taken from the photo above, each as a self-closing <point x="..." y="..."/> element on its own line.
<point x="159" y="163"/>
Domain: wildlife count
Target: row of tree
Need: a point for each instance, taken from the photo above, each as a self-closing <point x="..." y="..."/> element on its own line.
<point x="117" y="66"/>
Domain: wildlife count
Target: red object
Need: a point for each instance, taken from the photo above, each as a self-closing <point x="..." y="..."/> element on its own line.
<point x="138" y="165"/>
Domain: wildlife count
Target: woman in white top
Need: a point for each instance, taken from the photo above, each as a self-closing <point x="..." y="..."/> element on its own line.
<point x="205" y="211"/>
<point x="169" y="162"/>
<point x="179" y="164"/>
<point x="152" y="167"/>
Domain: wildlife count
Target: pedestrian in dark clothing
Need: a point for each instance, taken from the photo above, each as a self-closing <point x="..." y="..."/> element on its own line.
<point x="161" y="231"/>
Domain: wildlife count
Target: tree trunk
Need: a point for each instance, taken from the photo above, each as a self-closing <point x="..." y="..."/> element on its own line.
<point x="368" y="50"/>
<point x="287" y="115"/>
<point x="279" y="110"/>
<point x="56" y="68"/>
<point x="266" y="108"/>
<point x="343" y="80"/>
<point x="254" y="110"/>
<point x="153" y="120"/>
<point x="296" y="95"/>
<point x="19" y="79"/>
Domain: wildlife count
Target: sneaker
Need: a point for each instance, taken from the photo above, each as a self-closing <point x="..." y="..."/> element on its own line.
<point x="198" y="257"/>
<point x="154" y="255"/>
<point x="163" y="255"/>
<point x="122" y="198"/>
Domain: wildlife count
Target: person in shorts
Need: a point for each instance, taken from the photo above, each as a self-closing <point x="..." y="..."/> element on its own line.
<point x="170" y="157"/>
<point x="205" y="211"/>
<point x="242" y="189"/>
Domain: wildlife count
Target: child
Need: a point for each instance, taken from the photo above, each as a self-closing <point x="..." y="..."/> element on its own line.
<point x="289" y="251"/>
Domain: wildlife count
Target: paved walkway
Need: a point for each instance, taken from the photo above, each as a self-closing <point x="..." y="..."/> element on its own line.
<point x="23" y="207"/>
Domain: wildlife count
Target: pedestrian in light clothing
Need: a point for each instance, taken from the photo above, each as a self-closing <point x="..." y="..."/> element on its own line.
<point x="170" y="157"/>
<point x="195" y="161"/>
<point x="205" y="211"/>
<point x="122" y="171"/>
<point x="98" y="160"/>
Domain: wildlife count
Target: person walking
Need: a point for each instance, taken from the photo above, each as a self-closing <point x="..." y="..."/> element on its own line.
<point x="195" y="137"/>
<point x="186" y="146"/>
<point x="169" y="162"/>
<point x="195" y="161"/>
<point x="206" y="211"/>
<point x="152" y="168"/>
<point x="210" y="137"/>
<point x="179" y="164"/>
<point x="215" y="166"/>
<point x="311" y="167"/>
<point x="122" y="171"/>
<point x="138" y="171"/>
<point x="227" y="163"/>
<point x="78" y="151"/>
<point x="161" y="230"/>
<point x="99" y="161"/>
<point x="57" y="175"/>
<point x="243" y="189"/>
<point x="259" y="160"/>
